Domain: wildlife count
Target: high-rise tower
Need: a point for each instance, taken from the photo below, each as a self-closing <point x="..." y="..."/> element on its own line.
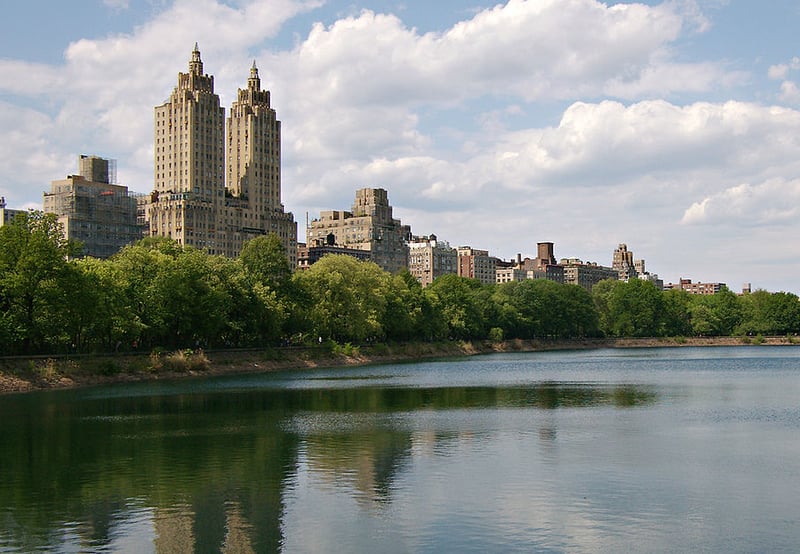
<point x="254" y="146"/>
<point x="189" y="135"/>
<point x="192" y="201"/>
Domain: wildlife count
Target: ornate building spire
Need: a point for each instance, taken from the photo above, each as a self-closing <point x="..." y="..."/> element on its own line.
<point x="254" y="82"/>
<point x="196" y="64"/>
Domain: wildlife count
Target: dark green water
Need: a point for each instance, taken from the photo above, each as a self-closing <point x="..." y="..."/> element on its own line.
<point x="656" y="450"/>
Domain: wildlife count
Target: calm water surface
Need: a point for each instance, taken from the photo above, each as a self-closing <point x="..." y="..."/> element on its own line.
<point x="651" y="450"/>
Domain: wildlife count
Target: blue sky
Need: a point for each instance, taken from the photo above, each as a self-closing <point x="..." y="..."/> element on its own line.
<point x="673" y="127"/>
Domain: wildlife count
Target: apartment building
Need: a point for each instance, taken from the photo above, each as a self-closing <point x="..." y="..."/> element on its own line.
<point x="429" y="258"/>
<point x="368" y="226"/>
<point x="218" y="185"/>
<point x="476" y="264"/>
<point x="309" y="255"/>
<point x="586" y="274"/>
<point x="93" y="209"/>
<point x="696" y="288"/>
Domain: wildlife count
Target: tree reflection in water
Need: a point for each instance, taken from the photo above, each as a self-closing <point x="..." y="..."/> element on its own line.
<point x="209" y="471"/>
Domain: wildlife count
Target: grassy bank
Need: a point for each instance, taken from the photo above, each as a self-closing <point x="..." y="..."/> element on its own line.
<point x="18" y="374"/>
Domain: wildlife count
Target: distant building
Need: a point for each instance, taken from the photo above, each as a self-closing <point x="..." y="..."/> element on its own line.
<point x="309" y="255"/>
<point x="623" y="263"/>
<point x="369" y="226"/>
<point x="476" y="264"/>
<point x="8" y="215"/>
<point x="586" y="274"/>
<point x="544" y="266"/>
<point x="505" y="272"/>
<point x="652" y="278"/>
<point x="696" y="288"/>
<point x="93" y="209"/>
<point x="429" y="258"/>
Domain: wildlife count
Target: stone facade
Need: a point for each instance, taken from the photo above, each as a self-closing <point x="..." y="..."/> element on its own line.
<point x="192" y="201"/>
<point x="369" y="226"/>
<point x="430" y="258"/>
<point x="586" y="274"/>
<point x="309" y="255"/>
<point x="94" y="211"/>
<point x="622" y="261"/>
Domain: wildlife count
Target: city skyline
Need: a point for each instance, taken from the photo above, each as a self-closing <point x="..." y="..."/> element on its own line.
<point x="584" y="124"/>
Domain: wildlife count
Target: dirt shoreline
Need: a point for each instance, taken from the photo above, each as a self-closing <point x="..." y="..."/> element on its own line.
<point x="18" y="374"/>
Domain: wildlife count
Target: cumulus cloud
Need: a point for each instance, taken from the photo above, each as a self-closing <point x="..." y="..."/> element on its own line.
<point x="355" y="90"/>
<point x="778" y="72"/>
<point x="772" y="202"/>
<point x="606" y="143"/>
<point x="533" y="50"/>
<point x="790" y="92"/>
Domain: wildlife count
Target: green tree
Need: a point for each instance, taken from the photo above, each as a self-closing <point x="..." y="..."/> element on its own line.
<point x="676" y="318"/>
<point x="635" y="309"/>
<point x="715" y="315"/>
<point x="264" y="258"/>
<point x="770" y="313"/>
<point x="347" y="298"/>
<point x="579" y="318"/>
<point x="462" y="306"/>
<point x="33" y="263"/>
<point x="602" y="293"/>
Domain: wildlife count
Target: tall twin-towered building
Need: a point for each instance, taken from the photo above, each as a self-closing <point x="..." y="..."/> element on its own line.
<point x="218" y="185"/>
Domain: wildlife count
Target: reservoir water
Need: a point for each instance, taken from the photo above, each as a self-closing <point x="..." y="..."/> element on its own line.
<point x="641" y="450"/>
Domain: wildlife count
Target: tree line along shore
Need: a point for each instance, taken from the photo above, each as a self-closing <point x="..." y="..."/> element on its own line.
<point x="162" y="301"/>
<point x="26" y="374"/>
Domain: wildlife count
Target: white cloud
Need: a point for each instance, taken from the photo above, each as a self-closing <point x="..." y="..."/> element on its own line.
<point x="773" y="202"/>
<point x="778" y="72"/>
<point x="117" y="4"/>
<point x="790" y="92"/>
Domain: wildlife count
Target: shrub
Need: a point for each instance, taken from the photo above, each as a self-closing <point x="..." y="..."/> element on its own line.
<point x="347" y="349"/>
<point x="496" y="334"/>
<point x="185" y="360"/>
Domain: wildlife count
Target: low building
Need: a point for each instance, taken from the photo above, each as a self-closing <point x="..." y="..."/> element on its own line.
<point x="652" y="278"/>
<point x="93" y="210"/>
<point x="696" y="288"/>
<point x="309" y="255"/>
<point x="544" y="266"/>
<point x="429" y="258"/>
<point x="7" y="215"/>
<point x="586" y="274"/>
<point x="505" y="272"/>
